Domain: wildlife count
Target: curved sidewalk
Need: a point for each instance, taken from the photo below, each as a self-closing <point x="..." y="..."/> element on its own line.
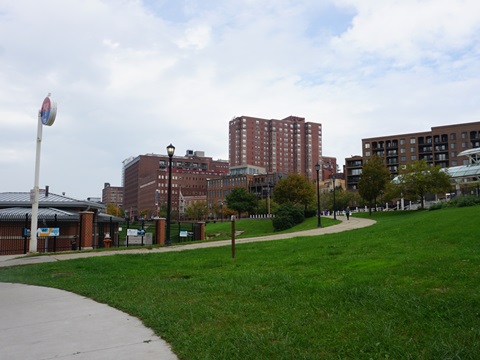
<point x="345" y="225"/>
<point x="46" y="323"/>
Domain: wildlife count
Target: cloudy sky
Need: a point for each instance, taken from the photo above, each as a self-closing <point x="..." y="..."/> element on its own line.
<point x="132" y="76"/>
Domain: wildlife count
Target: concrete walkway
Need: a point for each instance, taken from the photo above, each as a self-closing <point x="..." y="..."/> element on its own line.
<point x="353" y="223"/>
<point x="39" y="323"/>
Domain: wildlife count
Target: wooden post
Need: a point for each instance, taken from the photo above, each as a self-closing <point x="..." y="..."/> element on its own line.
<point x="233" y="236"/>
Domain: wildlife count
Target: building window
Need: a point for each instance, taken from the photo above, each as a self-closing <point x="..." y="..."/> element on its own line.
<point x="367" y="153"/>
<point x="412" y="140"/>
<point x="453" y="145"/>
<point x="413" y="157"/>
<point x="412" y="149"/>
<point x="464" y="135"/>
<point x="367" y="146"/>
<point x="402" y="141"/>
<point x="453" y="136"/>
<point x="464" y="144"/>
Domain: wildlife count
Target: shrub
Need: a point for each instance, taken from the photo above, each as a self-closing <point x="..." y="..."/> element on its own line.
<point x="457" y="202"/>
<point x="437" y="206"/>
<point x="287" y="216"/>
<point x="310" y="213"/>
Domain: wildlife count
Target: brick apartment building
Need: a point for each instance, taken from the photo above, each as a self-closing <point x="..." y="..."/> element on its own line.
<point x="112" y="195"/>
<point x="256" y="180"/>
<point x="283" y="146"/>
<point x="145" y="180"/>
<point x="439" y="146"/>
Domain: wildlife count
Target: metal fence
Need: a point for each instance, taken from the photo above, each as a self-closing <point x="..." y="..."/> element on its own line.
<point x="137" y="233"/>
<point x="181" y="232"/>
<point x="15" y="235"/>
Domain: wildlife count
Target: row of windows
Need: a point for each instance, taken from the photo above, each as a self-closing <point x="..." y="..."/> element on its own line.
<point x="421" y="140"/>
<point x="421" y="149"/>
<point x="412" y="158"/>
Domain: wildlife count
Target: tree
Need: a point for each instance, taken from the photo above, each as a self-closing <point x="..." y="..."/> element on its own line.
<point x="373" y="180"/>
<point x="343" y="199"/>
<point x="241" y="200"/>
<point x="198" y="210"/>
<point x="419" y="179"/>
<point x="295" y="189"/>
<point x="114" y="210"/>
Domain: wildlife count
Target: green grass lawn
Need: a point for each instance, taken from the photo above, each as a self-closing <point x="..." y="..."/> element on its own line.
<point x="246" y="228"/>
<point x="405" y="288"/>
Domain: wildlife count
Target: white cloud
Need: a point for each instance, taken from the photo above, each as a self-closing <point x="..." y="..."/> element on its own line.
<point x="409" y="31"/>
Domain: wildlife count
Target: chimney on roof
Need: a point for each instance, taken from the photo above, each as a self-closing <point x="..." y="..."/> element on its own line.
<point x="46" y="190"/>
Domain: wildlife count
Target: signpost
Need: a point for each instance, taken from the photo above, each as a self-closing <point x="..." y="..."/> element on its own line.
<point x="46" y="116"/>
<point x="233" y="236"/>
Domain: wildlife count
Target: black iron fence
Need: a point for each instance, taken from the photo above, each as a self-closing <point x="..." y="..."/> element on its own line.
<point x="137" y="233"/>
<point x="62" y="235"/>
<point x="15" y="234"/>
<point x="181" y="232"/>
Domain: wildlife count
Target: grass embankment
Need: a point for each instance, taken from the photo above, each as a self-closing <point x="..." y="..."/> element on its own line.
<point x="406" y="288"/>
<point x="246" y="228"/>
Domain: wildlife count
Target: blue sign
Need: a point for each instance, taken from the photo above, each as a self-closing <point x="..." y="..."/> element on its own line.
<point x="48" y="232"/>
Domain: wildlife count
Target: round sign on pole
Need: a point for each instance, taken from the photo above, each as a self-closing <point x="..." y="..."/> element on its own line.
<point x="48" y="111"/>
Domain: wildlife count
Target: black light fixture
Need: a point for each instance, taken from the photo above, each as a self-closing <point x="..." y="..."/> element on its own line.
<point x="170" y="152"/>
<point x="319" y="221"/>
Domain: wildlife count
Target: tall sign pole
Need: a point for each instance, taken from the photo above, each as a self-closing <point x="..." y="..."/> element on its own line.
<point x="46" y="116"/>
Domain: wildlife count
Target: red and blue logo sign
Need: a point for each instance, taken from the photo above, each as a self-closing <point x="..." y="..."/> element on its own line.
<point x="48" y="111"/>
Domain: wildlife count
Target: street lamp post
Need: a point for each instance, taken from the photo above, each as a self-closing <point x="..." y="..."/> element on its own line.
<point x="170" y="152"/>
<point x="221" y="210"/>
<point x="319" y="221"/>
<point x="334" y="199"/>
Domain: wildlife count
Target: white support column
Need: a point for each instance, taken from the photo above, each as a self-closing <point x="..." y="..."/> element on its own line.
<point x="34" y="220"/>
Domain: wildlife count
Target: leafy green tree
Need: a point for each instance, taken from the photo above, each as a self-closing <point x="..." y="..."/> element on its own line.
<point x="264" y="204"/>
<point x="241" y="201"/>
<point x="343" y="199"/>
<point x="294" y="189"/>
<point x="373" y="180"/>
<point x="419" y="179"/>
<point x="198" y="210"/>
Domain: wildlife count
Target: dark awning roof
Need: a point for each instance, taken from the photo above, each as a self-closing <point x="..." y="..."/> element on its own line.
<point x="23" y="199"/>
<point x="19" y="213"/>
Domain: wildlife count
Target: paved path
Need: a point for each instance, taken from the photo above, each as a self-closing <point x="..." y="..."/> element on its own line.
<point x="39" y="323"/>
<point x="353" y="223"/>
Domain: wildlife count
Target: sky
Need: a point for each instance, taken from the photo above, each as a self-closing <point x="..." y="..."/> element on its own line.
<point x="129" y="77"/>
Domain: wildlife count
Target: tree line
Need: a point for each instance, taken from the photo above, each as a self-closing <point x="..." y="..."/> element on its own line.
<point x="295" y="194"/>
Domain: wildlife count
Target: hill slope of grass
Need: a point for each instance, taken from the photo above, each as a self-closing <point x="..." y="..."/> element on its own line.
<point x="406" y="288"/>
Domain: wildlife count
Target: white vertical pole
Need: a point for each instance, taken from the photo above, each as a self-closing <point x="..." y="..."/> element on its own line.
<point x="33" y="226"/>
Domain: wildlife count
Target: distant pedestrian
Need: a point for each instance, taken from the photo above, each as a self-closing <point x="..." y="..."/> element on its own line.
<point x="347" y="213"/>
